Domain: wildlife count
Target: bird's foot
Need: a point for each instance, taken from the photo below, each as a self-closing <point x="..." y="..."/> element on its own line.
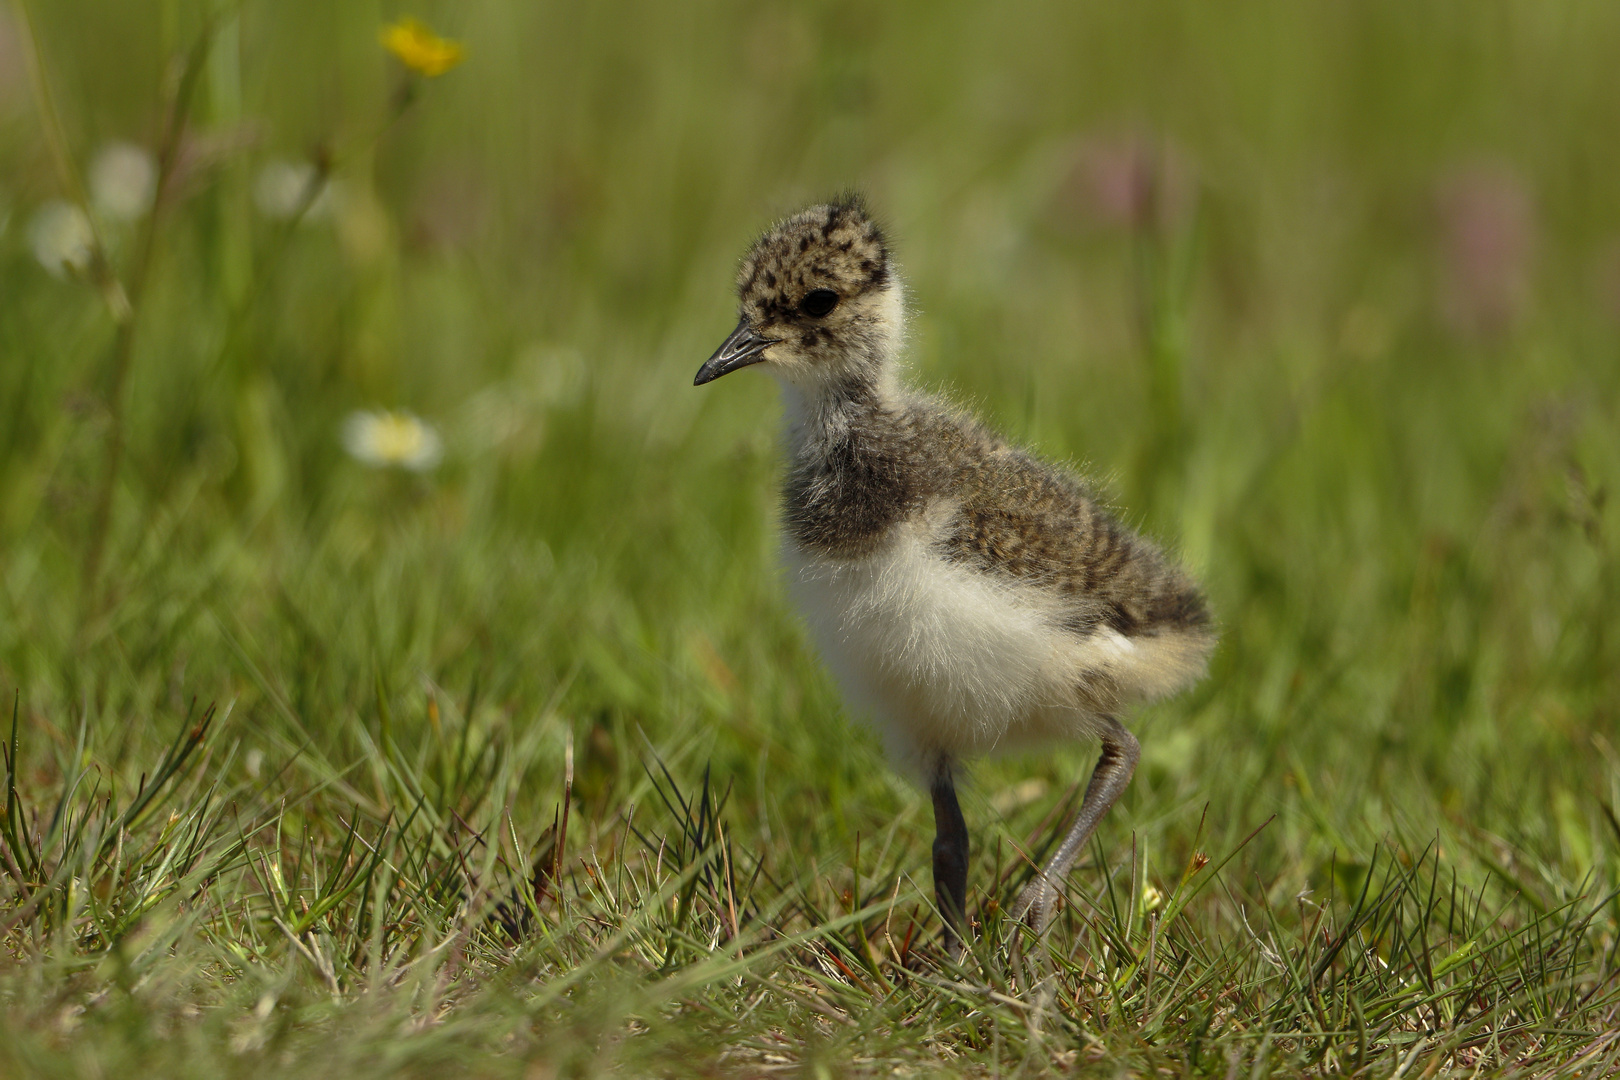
<point x="1037" y="904"/>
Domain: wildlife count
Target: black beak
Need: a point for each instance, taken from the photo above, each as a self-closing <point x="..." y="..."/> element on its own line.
<point x="742" y="348"/>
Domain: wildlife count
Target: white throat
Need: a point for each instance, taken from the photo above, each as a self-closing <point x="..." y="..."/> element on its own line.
<point x="815" y="401"/>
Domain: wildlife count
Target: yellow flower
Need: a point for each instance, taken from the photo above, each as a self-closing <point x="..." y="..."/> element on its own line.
<point x="420" y="49"/>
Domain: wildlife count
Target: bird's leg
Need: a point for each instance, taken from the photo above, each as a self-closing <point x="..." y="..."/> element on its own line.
<point x="1119" y="755"/>
<point x="950" y="858"/>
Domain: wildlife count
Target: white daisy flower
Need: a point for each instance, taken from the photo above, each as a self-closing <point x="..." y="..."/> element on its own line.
<point x="123" y="179"/>
<point x="384" y="438"/>
<point x="62" y="239"/>
<point x="282" y="186"/>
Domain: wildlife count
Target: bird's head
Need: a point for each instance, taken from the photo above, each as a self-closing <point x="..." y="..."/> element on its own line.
<point x="820" y="305"/>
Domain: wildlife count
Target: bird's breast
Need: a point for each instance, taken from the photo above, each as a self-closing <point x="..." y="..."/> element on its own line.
<point x="955" y="659"/>
<point x="844" y="501"/>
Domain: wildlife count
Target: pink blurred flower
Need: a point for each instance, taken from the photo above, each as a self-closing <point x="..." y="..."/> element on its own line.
<point x="13" y="68"/>
<point x="450" y="211"/>
<point x="1137" y="182"/>
<point x="1487" y="243"/>
<point x="1606" y="279"/>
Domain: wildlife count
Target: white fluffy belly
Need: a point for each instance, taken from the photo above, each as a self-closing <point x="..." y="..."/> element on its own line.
<point x="946" y="659"/>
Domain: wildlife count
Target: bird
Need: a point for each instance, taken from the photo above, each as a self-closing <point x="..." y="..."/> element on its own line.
<point x="968" y="596"/>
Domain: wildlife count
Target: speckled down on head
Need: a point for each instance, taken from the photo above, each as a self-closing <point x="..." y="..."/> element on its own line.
<point x="969" y="596"/>
<point x="834" y="252"/>
<point x="834" y="246"/>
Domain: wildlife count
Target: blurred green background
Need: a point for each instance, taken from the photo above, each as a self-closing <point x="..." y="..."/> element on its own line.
<point x="1324" y="295"/>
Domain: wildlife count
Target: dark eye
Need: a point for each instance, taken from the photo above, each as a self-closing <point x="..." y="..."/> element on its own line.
<point x="818" y="302"/>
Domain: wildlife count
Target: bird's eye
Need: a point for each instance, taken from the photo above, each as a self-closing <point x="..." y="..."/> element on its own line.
<point x="818" y="302"/>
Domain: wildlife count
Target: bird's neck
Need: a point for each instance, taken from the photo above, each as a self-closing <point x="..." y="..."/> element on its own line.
<point x="825" y="403"/>
<point x="825" y="414"/>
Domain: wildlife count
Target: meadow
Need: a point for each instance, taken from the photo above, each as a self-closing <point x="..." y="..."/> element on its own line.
<point x="496" y="749"/>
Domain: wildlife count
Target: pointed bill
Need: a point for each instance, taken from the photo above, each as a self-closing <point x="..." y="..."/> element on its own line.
<point x="742" y="348"/>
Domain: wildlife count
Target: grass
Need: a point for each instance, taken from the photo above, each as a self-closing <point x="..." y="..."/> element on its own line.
<point x="521" y="765"/>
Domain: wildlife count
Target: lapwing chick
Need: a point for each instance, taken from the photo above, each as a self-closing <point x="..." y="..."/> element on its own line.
<point x="968" y="596"/>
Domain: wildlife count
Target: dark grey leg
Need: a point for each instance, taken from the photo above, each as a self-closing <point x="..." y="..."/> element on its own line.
<point x="950" y="858"/>
<point x="1119" y="755"/>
